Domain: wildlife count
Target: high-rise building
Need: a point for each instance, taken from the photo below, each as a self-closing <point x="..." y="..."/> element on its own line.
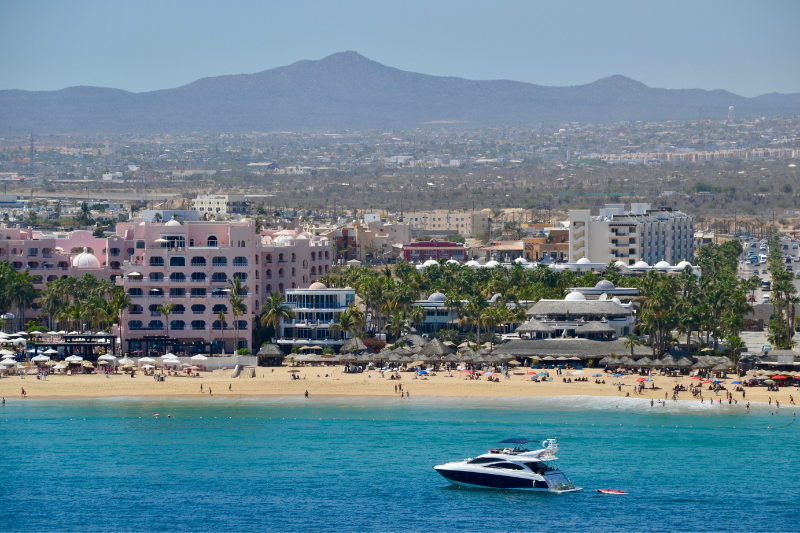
<point x="641" y="234"/>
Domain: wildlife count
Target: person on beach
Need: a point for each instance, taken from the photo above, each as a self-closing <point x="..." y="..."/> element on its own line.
<point x="201" y="388"/>
<point x="777" y="404"/>
<point x="402" y="394"/>
<point x="4" y="400"/>
<point x="651" y="403"/>
<point x="23" y="392"/>
<point x="770" y="400"/>
<point x="230" y="385"/>
<point x="209" y="392"/>
<point x="306" y="394"/>
<point x="791" y="399"/>
<point x="408" y="395"/>
<point x="748" y="406"/>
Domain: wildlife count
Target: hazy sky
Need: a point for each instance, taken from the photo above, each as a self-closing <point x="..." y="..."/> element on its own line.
<point x="748" y="48"/>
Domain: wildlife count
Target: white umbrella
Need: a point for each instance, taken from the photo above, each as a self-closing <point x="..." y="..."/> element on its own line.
<point x="50" y="351"/>
<point x="168" y="356"/>
<point x="185" y="365"/>
<point x="107" y="357"/>
<point x="103" y="362"/>
<point x="52" y="333"/>
<point x="161" y="240"/>
<point x="19" y="341"/>
<point x="22" y="333"/>
<point x="6" y="352"/>
<point x="147" y="367"/>
<point x="40" y="359"/>
<point x="198" y="358"/>
<point x="126" y="361"/>
<point x="74" y="359"/>
<point x="73" y="333"/>
<point x="35" y="333"/>
<point x="62" y="332"/>
<point x="60" y="366"/>
<point x="146" y="360"/>
<point x="8" y="362"/>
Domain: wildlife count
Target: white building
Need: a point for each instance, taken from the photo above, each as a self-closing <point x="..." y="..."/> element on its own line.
<point x="220" y="204"/>
<point x="641" y="234"/>
<point x="315" y="310"/>
<point x="465" y="223"/>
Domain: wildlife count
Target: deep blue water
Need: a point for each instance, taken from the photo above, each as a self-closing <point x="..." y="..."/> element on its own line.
<point x="364" y="464"/>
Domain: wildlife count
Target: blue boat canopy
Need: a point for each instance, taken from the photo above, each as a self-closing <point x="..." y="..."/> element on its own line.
<point x="517" y="441"/>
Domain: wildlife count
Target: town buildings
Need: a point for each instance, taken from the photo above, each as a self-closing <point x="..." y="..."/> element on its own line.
<point x="220" y="204"/>
<point x="422" y="251"/>
<point x="641" y="234"/>
<point x="460" y="222"/>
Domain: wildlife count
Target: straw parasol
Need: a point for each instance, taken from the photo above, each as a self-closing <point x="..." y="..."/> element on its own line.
<point x="657" y="363"/>
<point x="684" y="362"/>
<point x="353" y="344"/>
<point x="436" y="349"/>
<point x="668" y="361"/>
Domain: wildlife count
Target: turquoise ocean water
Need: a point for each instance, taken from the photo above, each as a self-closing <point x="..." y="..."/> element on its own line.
<point x="364" y="464"/>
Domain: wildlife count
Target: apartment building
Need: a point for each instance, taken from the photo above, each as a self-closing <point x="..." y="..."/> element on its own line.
<point x="641" y="234"/>
<point x="415" y="252"/>
<point x="464" y="223"/>
<point x="220" y="204"/>
<point x="316" y="309"/>
<point x="190" y="265"/>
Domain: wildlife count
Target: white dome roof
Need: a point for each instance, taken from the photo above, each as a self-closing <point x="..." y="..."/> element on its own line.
<point x="575" y="297"/>
<point x="621" y="264"/>
<point x="472" y="264"/>
<point x="85" y="260"/>
<point x="604" y="285"/>
<point x="520" y="260"/>
<point x="491" y="264"/>
<point x="173" y="222"/>
<point x="284" y="239"/>
<point x="430" y="262"/>
<point x="662" y="265"/>
<point x="452" y="262"/>
<point x="436" y="297"/>
<point x="317" y="286"/>
<point x="584" y="261"/>
<point x="302" y="236"/>
<point x="616" y="300"/>
<point x="641" y="264"/>
<point x="683" y="264"/>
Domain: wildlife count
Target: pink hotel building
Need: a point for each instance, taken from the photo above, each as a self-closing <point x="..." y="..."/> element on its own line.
<point x="187" y="265"/>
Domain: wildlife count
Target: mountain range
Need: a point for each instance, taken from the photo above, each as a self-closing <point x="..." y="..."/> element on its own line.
<point x="348" y="91"/>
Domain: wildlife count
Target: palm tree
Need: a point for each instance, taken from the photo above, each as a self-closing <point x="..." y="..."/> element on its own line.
<point x="221" y="318"/>
<point x="22" y="292"/>
<point x="165" y="309"/>
<point x="238" y="308"/>
<point x="417" y="316"/>
<point x="120" y="300"/>
<point x="631" y="341"/>
<point x="237" y="292"/>
<point x="397" y="323"/>
<point x="274" y="311"/>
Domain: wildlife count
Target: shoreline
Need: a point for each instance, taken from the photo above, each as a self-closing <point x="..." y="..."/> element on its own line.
<point x="274" y="383"/>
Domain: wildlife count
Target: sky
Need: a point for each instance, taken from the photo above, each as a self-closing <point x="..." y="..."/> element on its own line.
<point x="748" y="48"/>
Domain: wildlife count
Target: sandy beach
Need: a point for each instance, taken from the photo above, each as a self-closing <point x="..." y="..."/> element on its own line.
<point x="277" y="381"/>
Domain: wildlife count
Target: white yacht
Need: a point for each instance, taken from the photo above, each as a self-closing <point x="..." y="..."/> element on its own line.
<point x="512" y="467"/>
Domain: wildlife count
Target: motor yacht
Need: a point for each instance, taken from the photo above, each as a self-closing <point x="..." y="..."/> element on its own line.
<point x="511" y="467"/>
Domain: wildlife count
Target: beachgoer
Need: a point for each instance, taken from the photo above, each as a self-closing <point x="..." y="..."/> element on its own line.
<point x="791" y="399"/>
<point x="209" y="392"/>
<point x="777" y="404"/>
<point x="402" y="394"/>
<point x="306" y="394"/>
<point x="408" y="394"/>
<point x="651" y="403"/>
<point x="229" y="386"/>
<point x="23" y="392"/>
<point x="770" y="400"/>
<point x="201" y="387"/>
<point x="4" y="400"/>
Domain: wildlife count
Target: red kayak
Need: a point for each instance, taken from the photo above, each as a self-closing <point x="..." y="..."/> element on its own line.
<point x="609" y="491"/>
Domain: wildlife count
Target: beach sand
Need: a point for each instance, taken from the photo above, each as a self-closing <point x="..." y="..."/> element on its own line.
<point x="277" y="381"/>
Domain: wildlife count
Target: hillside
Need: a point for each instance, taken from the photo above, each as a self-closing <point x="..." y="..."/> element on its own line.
<point x="347" y="90"/>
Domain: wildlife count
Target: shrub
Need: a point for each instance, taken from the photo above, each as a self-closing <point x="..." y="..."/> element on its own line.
<point x="244" y="351"/>
<point x="374" y="343"/>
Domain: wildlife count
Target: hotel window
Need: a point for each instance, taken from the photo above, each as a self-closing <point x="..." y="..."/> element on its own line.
<point x="177" y="261"/>
<point x="219" y="261"/>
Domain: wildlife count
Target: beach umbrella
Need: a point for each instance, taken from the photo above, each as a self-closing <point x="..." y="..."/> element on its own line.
<point x="596" y="375"/>
<point x="641" y="379"/>
<point x="107" y="357"/>
<point x="146" y="360"/>
<point x="736" y="382"/>
<point x="707" y="381"/>
<point x="8" y="362"/>
<point x="617" y="375"/>
<point x="6" y="352"/>
<point x="422" y="372"/>
<point x="168" y="356"/>
<point x="531" y="373"/>
<point x="60" y="366"/>
<point x="650" y="379"/>
<point x="697" y="377"/>
<point x="147" y="367"/>
<point x="769" y="381"/>
<point x="74" y="359"/>
<point x="126" y="361"/>
<point x="198" y="357"/>
<point x="50" y="351"/>
<point x="40" y="359"/>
